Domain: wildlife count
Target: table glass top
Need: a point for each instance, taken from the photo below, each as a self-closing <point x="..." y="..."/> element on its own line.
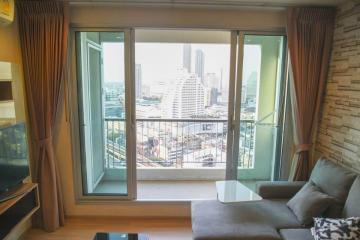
<point x="121" y="236"/>
<point x="234" y="191"/>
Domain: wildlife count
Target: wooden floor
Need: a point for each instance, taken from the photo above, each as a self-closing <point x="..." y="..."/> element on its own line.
<point x="85" y="228"/>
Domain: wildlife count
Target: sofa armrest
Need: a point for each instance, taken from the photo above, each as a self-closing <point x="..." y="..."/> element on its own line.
<point x="278" y="189"/>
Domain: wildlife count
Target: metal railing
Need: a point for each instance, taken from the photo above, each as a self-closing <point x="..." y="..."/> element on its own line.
<point x="178" y="143"/>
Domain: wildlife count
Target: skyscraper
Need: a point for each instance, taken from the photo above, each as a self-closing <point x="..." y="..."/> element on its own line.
<point x="188" y="98"/>
<point x="138" y="81"/>
<point x="187" y="57"/>
<point x="221" y="81"/>
<point x="211" y="80"/>
<point x="199" y="64"/>
<point x="211" y="96"/>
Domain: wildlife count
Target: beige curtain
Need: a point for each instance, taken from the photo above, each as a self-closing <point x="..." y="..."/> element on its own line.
<point x="310" y="34"/>
<point x="43" y="28"/>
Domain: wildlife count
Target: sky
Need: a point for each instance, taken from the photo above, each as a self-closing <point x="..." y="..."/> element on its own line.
<point x="161" y="61"/>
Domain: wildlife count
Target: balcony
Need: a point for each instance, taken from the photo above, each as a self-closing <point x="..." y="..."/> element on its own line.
<point x="178" y="143"/>
<point x="176" y="158"/>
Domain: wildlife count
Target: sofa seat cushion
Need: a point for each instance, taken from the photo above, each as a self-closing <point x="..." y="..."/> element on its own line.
<point x="244" y="220"/>
<point x="296" y="234"/>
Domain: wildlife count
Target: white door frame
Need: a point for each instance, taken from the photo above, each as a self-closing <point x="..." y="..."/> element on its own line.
<point x="234" y="109"/>
<point x="235" y="95"/>
<point x="130" y="120"/>
<point x="130" y="108"/>
<point x="237" y="108"/>
<point x="231" y="165"/>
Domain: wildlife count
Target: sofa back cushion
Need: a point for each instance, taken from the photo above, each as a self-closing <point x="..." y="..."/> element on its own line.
<point x="352" y="204"/>
<point x="309" y="202"/>
<point x="333" y="180"/>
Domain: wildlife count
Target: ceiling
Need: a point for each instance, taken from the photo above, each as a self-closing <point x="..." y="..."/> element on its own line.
<point x="213" y="3"/>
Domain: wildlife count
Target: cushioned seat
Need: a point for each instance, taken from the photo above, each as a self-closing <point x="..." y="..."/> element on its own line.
<point x="270" y="218"/>
<point x="296" y="234"/>
<point x="244" y="220"/>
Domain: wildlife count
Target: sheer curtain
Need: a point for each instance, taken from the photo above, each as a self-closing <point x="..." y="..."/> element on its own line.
<point x="310" y="35"/>
<point x="43" y="29"/>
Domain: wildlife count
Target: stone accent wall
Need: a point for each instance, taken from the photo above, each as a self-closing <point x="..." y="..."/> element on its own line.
<point x="339" y="128"/>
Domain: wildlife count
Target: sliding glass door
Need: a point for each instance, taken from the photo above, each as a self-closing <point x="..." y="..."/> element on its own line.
<point x="104" y="87"/>
<point x="258" y="108"/>
<point x="177" y="105"/>
<point x="182" y="93"/>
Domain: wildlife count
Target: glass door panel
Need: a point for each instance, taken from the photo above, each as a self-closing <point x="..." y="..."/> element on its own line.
<point x="261" y="95"/>
<point x="182" y="91"/>
<point x="102" y="111"/>
<point x="182" y="98"/>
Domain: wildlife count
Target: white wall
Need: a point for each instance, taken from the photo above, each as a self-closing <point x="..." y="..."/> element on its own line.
<point x="149" y="17"/>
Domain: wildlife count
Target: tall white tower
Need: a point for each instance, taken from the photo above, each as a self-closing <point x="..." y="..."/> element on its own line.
<point x="188" y="98"/>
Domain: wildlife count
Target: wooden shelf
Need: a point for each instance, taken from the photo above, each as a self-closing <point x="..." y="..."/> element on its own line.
<point x="7" y="98"/>
<point x="18" y="209"/>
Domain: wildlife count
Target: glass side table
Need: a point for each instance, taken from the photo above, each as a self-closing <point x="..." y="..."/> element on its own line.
<point x="234" y="191"/>
<point x="121" y="236"/>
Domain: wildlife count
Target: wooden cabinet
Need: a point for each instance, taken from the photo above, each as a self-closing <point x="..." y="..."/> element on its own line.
<point x="16" y="210"/>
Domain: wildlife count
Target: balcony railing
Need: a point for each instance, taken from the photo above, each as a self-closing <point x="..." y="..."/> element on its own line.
<point x="178" y="143"/>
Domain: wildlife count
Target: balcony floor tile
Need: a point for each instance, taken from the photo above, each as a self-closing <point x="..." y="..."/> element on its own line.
<point x="167" y="190"/>
<point x="176" y="190"/>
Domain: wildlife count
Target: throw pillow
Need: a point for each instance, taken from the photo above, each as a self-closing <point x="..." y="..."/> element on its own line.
<point x="309" y="202"/>
<point x="336" y="229"/>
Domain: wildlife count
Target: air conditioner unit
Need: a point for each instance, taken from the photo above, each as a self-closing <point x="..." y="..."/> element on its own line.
<point x="6" y="11"/>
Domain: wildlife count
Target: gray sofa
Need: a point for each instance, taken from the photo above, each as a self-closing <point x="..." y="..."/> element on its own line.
<point x="270" y="218"/>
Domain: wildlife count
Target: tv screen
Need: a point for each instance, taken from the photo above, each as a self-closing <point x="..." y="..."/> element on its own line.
<point x="14" y="164"/>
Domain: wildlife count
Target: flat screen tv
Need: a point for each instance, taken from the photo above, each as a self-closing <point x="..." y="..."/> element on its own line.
<point x="14" y="163"/>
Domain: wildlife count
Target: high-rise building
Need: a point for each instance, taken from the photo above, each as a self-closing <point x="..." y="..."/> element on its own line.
<point x="221" y="81"/>
<point x="199" y="64"/>
<point x="188" y="98"/>
<point x="211" y="80"/>
<point x="211" y="96"/>
<point x="138" y="81"/>
<point x="187" y="57"/>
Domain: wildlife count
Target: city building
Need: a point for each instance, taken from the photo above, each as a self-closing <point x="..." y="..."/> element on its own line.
<point x="138" y="82"/>
<point x="115" y="109"/>
<point x="199" y="64"/>
<point x="212" y="80"/>
<point x="187" y="57"/>
<point x="111" y="94"/>
<point x="211" y="96"/>
<point x="187" y="99"/>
